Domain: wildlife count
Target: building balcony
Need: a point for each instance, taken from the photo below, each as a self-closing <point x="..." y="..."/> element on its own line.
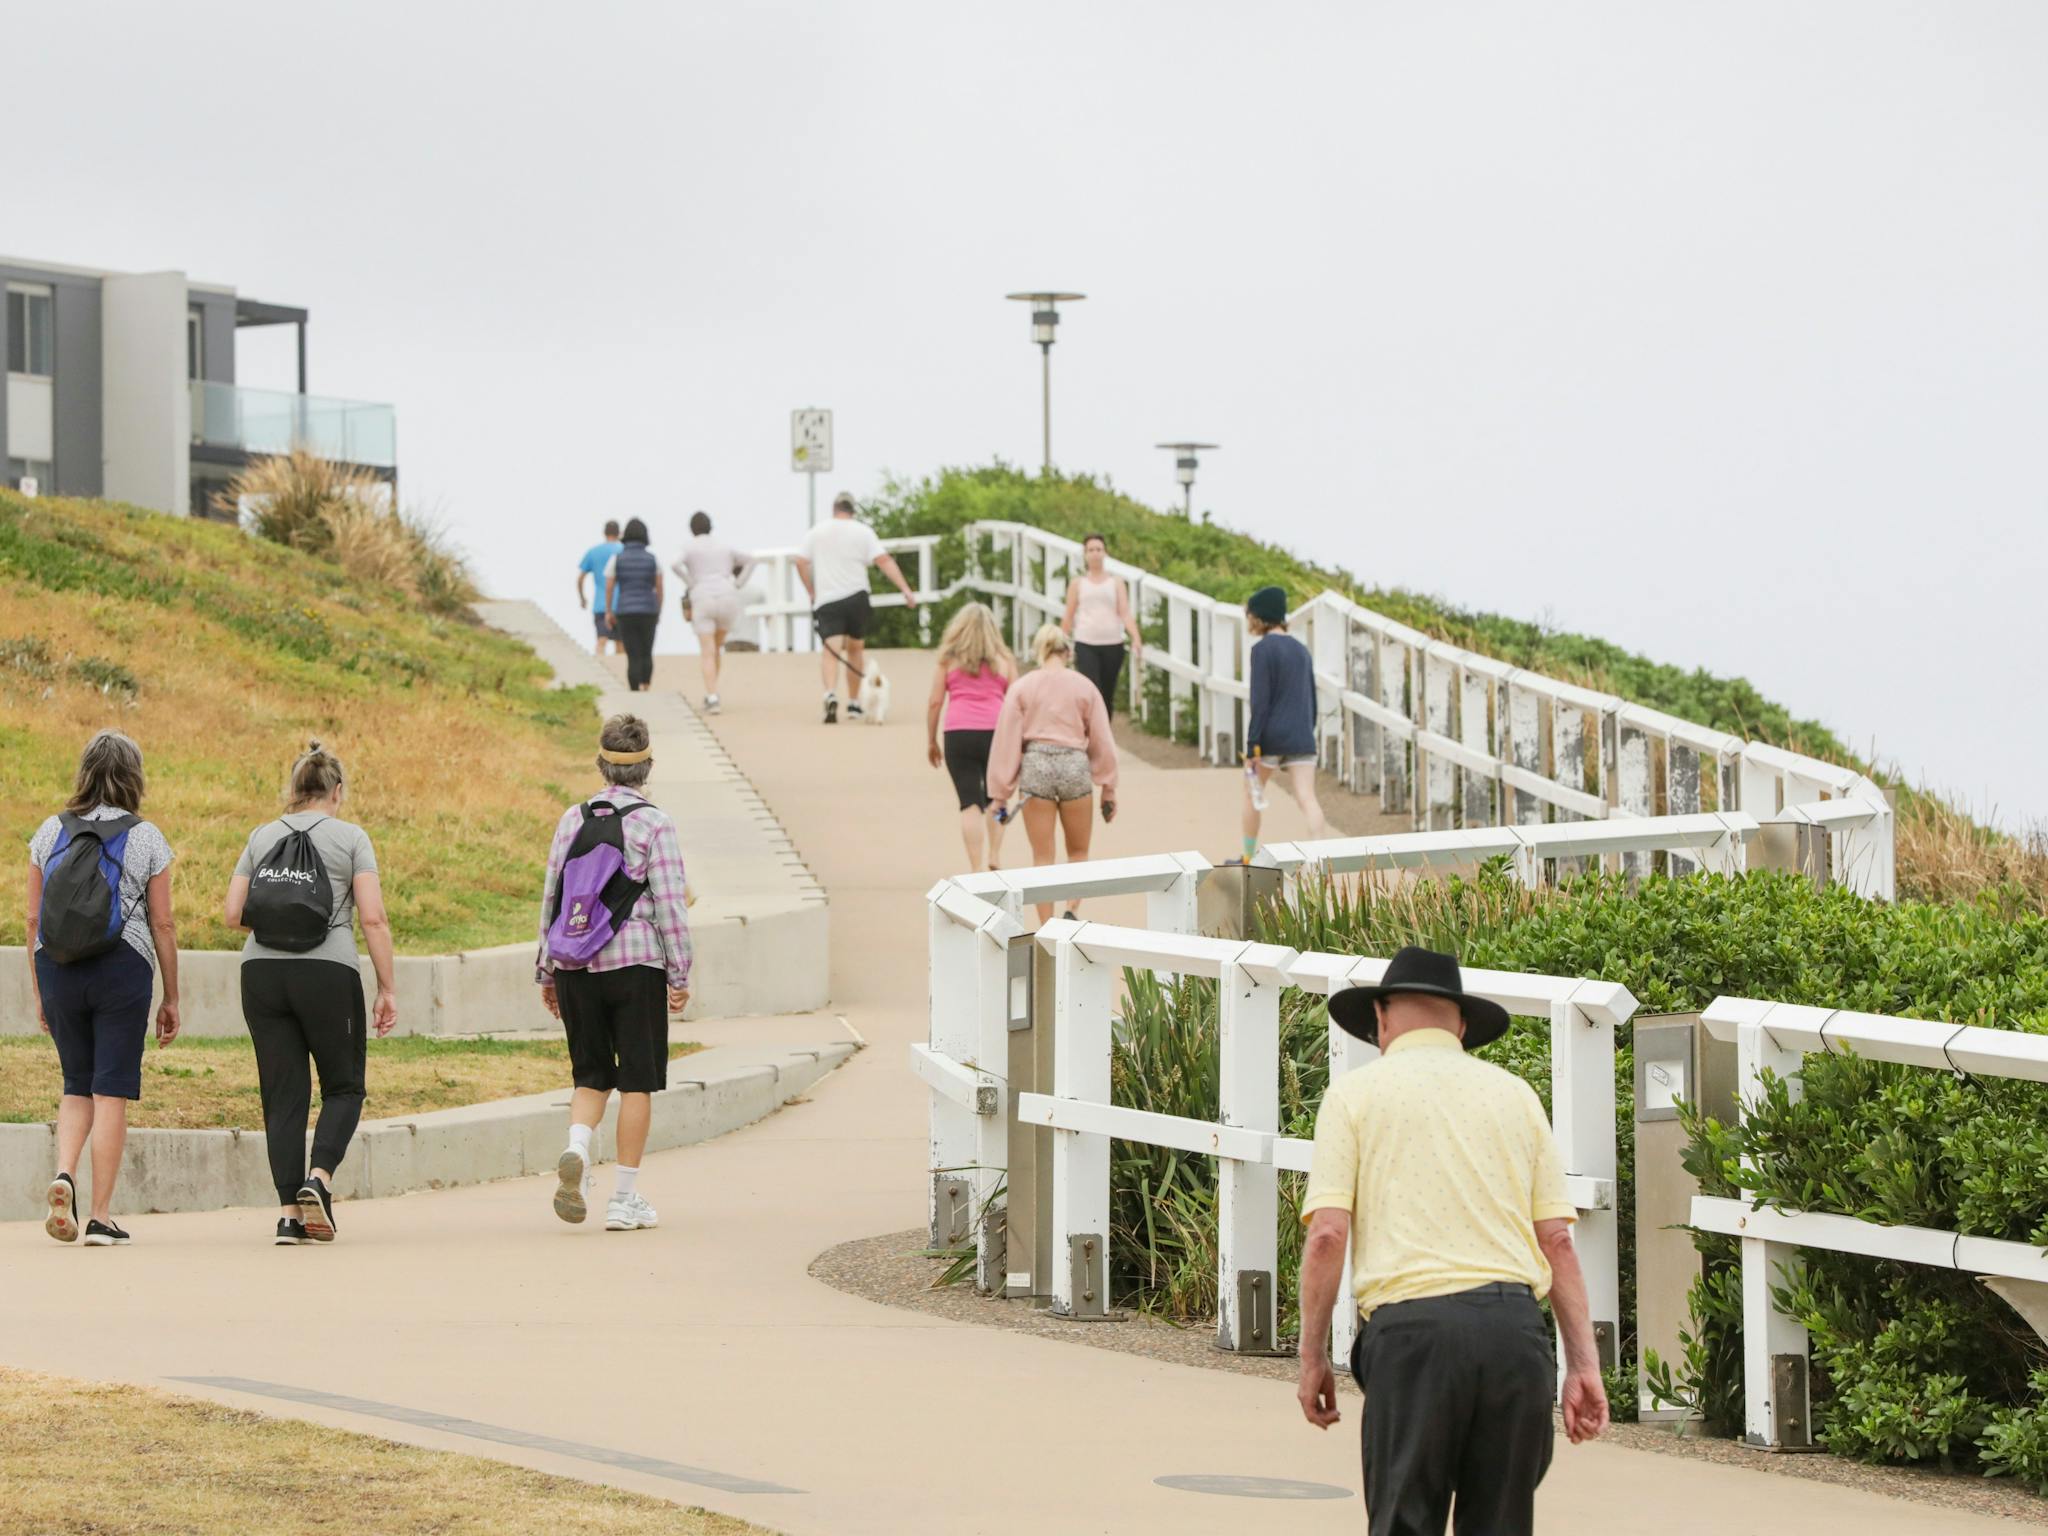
<point x="231" y="419"/>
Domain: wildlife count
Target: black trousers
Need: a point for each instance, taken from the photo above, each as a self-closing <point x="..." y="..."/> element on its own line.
<point x="1458" y="1392"/>
<point x="1102" y="665"/>
<point x="301" y="1010"/>
<point x="636" y="634"/>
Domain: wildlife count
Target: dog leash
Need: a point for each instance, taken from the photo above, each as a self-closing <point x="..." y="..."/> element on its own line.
<point x="826" y="645"/>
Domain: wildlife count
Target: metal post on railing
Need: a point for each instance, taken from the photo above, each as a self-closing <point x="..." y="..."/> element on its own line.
<point x="1083" y="992"/>
<point x="1248" y="1208"/>
<point x="1777" y="1406"/>
<point x="1582" y="1114"/>
<point x="925" y="593"/>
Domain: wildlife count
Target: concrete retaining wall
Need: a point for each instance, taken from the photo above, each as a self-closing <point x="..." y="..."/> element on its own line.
<point x="709" y="1093"/>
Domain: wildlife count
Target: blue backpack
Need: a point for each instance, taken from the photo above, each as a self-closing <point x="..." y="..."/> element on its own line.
<point x="81" y="916"/>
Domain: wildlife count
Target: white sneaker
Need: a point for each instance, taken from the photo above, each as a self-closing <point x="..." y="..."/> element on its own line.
<point x="572" y="1185"/>
<point x="710" y="703"/>
<point x="630" y="1213"/>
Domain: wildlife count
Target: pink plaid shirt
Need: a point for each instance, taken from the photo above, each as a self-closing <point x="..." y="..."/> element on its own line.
<point x="657" y="932"/>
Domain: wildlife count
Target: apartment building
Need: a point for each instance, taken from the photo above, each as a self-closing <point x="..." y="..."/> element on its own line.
<point x="122" y="384"/>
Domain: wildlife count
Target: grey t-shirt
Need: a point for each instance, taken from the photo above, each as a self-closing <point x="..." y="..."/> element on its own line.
<point x="148" y="856"/>
<point x="345" y="849"/>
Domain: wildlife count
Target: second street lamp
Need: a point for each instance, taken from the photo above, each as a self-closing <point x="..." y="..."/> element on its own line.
<point x="1045" y="319"/>
<point x="1184" y="468"/>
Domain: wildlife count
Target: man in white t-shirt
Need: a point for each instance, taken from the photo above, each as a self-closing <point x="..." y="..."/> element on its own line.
<point x="834" y="568"/>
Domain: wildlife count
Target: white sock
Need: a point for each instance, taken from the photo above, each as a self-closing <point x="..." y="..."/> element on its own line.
<point x="579" y="1140"/>
<point x="830" y="695"/>
<point x="628" y="1177"/>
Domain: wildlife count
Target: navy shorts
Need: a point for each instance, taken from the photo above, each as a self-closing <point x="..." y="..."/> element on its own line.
<point x="98" y="1013"/>
<point x="604" y="626"/>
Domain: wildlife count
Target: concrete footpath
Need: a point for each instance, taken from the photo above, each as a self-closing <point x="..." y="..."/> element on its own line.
<point x="700" y="1361"/>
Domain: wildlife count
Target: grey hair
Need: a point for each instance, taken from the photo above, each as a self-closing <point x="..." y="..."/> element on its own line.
<point x="624" y="733"/>
<point x="109" y="773"/>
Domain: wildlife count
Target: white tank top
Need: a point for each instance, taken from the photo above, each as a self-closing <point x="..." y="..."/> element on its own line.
<point x="1095" y="620"/>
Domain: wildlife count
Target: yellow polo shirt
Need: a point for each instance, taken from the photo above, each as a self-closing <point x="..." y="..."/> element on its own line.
<point x="1445" y="1163"/>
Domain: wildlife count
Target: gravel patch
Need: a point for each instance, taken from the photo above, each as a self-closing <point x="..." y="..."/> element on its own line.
<point x="887" y="1270"/>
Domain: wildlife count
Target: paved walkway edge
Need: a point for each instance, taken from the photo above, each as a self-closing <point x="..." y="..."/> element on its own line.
<point x="709" y="1093"/>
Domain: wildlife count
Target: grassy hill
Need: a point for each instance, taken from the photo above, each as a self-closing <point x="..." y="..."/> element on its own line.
<point x="1942" y="854"/>
<point x="221" y="653"/>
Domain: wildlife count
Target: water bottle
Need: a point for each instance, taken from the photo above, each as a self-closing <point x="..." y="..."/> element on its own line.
<point x="1252" y="781"/>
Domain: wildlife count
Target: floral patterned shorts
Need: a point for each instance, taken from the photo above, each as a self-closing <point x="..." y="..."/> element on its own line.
<point x="1055" y="773"/>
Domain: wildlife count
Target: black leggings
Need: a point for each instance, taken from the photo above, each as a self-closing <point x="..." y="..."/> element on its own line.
<point x="967" y="762"/>
<point x="297" y="1009"/>
<point x="636" y="634"/>
<point x="1102" y="665"/>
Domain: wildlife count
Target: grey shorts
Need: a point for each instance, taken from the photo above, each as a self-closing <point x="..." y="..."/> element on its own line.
<point x="1055" y="773"/>
<point x="717" y="610"/>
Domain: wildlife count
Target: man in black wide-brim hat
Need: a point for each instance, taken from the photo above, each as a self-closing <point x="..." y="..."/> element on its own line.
<point x="1450" y="1174"/>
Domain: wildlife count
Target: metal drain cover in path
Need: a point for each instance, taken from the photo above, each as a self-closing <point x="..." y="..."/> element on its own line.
<point x="1251" y="1487"/>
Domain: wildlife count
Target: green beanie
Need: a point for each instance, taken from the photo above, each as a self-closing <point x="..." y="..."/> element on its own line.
<point x="1268" y="605"/>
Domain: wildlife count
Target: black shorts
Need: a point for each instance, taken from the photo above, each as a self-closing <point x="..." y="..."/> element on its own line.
<point x="967" y="761"/>
<point x="617" y="1026"/>
<point x="846" y="616"/>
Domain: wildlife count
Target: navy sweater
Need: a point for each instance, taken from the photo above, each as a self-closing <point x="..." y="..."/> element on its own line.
<point x="1283" y="698"/>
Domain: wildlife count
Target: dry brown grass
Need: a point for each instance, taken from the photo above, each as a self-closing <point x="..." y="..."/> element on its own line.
<point x="321" y="508"/>
<point x="87" y="1457"/>
<point x="1943" y="855"/>
<point x="209" y="1083"/>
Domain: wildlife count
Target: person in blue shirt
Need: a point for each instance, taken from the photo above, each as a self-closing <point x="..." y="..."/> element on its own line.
<point x="1280" y="741"/>
<point x="591" y="569"/>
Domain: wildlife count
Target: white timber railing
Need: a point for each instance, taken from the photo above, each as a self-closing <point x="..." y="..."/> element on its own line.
<point x="1776" y="1038"/>
<point x="976" y="1006"/>
<point x="1455" y="739"/>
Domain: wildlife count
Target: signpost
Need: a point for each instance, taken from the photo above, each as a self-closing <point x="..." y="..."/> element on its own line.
<point x="810" y="448"/>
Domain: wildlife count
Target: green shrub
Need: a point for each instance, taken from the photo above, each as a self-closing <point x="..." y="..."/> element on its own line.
<point x="1910" y="1363"/>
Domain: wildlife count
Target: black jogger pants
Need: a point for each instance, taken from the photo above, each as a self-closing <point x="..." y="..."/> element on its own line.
<point x="302" y="1015"/>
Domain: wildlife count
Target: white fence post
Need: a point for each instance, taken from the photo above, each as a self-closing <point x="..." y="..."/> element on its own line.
<point x="1080" y="1160"/>
<point x="1392" y="668"/>
<point x="1347" y="1054"/>
<point x="1525" y="744"/>
<point x="1440" y="806"/>
<point x="954" y="1135"/>
<point x="1174" y="909"/>
<point x="1632" y="782"/>
<point x="1582" y="1114"/>
<point x="1248" y="1210"/>
<point x="1777" y="1402"/>
<point x="1475" y="722"/>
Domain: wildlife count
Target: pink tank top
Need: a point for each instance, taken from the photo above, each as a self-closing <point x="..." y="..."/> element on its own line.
<point x="1095" y="619"/>
<point x="973" y="703"/>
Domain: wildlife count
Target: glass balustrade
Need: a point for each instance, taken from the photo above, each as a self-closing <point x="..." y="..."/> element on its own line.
<point x="276" y="421"/>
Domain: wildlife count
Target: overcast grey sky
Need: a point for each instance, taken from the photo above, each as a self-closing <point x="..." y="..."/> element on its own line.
<point x="1719" y="331"/>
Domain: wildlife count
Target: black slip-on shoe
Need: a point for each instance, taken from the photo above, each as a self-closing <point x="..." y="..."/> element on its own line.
<point x="62" y="1222"/>
<point x="316" y="1211"/>
<point x="105" y="1234"/>
<point x="289" y="1233"/>
<point x="831" y="710"/>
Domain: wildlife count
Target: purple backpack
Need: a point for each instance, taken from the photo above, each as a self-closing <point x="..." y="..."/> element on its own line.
<point x="594" y="895"/>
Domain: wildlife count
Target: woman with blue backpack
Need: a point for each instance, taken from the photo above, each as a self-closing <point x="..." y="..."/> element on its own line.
<point x="99" y="914"/>
<point x="302" y="882"/>
<point x="614" y="964"/>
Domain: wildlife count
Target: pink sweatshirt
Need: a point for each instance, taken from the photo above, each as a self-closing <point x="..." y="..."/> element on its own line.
<point x="1056" y="705"/>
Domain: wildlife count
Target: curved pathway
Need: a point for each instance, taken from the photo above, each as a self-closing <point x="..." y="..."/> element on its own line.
<point x="701" y="1361"/>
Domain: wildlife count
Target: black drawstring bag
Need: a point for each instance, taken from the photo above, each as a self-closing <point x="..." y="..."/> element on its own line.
<point x="291" y="900"/>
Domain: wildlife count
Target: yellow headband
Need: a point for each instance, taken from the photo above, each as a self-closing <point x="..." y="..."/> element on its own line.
<point x="624" y="758"/>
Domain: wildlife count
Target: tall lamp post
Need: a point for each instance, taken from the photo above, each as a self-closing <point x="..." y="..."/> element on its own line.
<point x="1184" y="468"/>
<point x="1045" y="319"/>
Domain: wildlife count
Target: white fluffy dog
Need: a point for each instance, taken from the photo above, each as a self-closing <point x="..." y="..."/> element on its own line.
<point x="874" y="695"/>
